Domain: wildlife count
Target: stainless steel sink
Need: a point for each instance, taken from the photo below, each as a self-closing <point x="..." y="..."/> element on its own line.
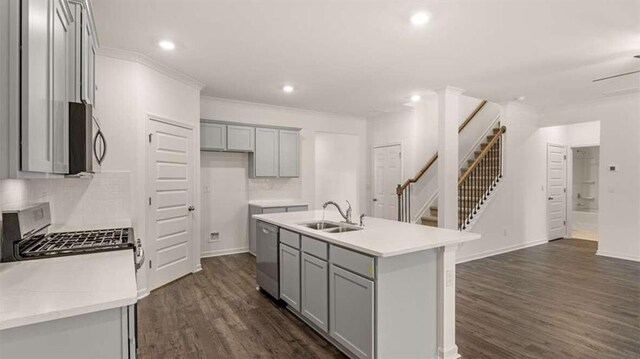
<point x="342" y="229"/>
<point x="330" y="227"/>
<point x="321" y="225"/>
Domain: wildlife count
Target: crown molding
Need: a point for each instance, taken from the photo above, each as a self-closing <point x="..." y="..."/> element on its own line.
<point x="451" y="90"/>
<point x="150" y="63"/>
<point x="520" y="106"/>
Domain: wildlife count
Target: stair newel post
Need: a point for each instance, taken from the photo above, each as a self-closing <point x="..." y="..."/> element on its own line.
<point x="409" y="204"/>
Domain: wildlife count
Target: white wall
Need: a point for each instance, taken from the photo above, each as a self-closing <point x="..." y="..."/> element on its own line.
<point x="336" y="165"/>
<point x="131" y="89"/>
<point x="515" y="216"/>
<point x="226" y="212"/>
<point x="619" y="191"/>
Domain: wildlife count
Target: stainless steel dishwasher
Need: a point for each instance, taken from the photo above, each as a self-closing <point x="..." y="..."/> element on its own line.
<point x="267" y="256"/>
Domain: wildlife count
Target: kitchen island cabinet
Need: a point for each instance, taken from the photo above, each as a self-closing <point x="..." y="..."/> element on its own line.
<point x="383" y="291"/>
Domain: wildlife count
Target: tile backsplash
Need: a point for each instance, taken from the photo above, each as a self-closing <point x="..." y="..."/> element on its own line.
<point x="106" y="198"/>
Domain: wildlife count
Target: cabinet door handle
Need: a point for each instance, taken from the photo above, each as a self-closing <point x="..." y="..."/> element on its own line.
<point x="191" y="208"/>
<point x="264" y="230"/>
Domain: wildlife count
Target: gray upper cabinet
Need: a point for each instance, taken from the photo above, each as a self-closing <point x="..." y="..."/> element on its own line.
<point x="264" y="162"/>
<point x="213" y="136"/>
<point x="315" y="291"/>
<point x="88" y="58"/>
<point x="289" y="153"/>
<point x="60" y="82"/>
<point x="240" y="138"/>
<point x="44" y="83"/>
<point x="290" y="276"/>
<point x="273" y="151"/>
<point x="351" y="304"/>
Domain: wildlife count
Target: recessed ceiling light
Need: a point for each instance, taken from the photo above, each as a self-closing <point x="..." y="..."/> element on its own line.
<point x="420" y="18"/>
<point x="521" y="98"/>
<point x="287" y="88"/>
<point x="416" y="98"/>
<point x="167" y="45"/>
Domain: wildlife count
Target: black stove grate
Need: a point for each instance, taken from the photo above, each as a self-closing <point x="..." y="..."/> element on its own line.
<point x="66" y="243"/>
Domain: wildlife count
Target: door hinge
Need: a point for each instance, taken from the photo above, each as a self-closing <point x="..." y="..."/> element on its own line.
<point x="564" y="222"/>
<point x="565" y="157"/>
<point x="400" y="155"/>
<point x="565" y="190"/>
<point x="150" y="136"/>
<point x="150" y="264"/>
<point x="149" y="200"/>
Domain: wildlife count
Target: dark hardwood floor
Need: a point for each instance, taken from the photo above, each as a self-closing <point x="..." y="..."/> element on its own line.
<point x="556" y="300"/>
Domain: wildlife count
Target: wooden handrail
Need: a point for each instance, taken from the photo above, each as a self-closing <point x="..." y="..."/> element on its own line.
<point x="482" y="155"/>
<point x="433" y="159"/>
<point x="472" y="115"/>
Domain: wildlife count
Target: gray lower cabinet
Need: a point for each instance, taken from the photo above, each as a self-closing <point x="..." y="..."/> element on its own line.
<point x="213" y="136"/>
<point x="290" y="276"/>
<point x="107" y="334"/>
<point x="315" y="291"/>
<point x="351" y="303"/>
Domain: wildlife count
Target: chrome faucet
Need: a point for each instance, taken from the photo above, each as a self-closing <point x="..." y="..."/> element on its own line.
<point x="346" y="216"/>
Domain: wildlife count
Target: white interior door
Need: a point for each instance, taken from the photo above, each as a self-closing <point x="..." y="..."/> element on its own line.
<point x="170" y="181"/>
<point x="386" y="177"/>
<point x="557" y="190"/>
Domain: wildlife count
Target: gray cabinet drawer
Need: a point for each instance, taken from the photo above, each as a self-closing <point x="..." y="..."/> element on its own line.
<point x="274" y="210"/>
<point x="353" y="261"/>
<point x="315" y="247"/>
<point x="298" y="209"/>
<point x="289" y="238"/>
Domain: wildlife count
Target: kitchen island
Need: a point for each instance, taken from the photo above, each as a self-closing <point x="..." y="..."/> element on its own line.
<point x="386" y="290"/>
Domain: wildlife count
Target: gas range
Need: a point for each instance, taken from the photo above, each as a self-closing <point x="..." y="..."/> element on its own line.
<point x="25" y="237"/>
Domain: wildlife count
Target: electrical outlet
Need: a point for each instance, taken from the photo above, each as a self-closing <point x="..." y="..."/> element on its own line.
<point x="214" y="237"/>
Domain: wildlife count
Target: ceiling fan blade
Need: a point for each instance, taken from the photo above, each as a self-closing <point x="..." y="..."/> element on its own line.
<point x="619" y="75"/>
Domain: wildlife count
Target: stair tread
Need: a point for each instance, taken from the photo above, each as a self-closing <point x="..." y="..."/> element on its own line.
<point x="429" y="218"/>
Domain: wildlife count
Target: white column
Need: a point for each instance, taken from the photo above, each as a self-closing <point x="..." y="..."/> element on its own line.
<point x="448" y="121"/>
<point x="447" y="348"/>
<point x="448" y="118"/>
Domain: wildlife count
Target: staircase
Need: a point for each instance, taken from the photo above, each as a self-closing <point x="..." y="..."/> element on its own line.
<point x="476" y="191"/>
<point x="477" y="181"/>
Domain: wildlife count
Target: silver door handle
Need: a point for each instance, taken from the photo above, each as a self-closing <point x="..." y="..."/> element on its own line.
<point x="192" y="208"/>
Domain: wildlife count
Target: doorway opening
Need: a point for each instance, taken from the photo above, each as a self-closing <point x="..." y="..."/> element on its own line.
<point x="585" y="197"/>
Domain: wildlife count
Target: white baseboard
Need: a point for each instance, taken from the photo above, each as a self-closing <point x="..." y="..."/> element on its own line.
<point x="618" y="256"/>
<point x="224" y="252"/>
<point x="495" y="252"/>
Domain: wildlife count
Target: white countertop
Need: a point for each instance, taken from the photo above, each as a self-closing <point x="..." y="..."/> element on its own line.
<point x="380" y="237"/>
<point x="267" y="203"/>
<point x="40" y="290"/>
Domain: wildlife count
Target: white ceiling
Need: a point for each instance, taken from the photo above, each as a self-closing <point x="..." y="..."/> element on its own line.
<point x="356" y="57"/>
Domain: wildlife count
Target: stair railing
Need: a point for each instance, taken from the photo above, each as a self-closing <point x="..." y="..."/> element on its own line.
<point x="480" y="179"/>
<point x="404" y="190"/>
